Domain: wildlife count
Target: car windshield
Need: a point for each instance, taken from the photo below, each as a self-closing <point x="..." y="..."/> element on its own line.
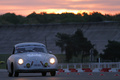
<point x="23" y="49"/>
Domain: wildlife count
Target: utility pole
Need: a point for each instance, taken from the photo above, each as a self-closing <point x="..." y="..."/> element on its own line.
<point x="46" y="41"/>
<point x="91" y="54"/>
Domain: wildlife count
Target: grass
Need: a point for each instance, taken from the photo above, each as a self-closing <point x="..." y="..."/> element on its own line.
<point x="4" y="57"/>
<point x="60" y="57"/>
<point x="2" y="66"/>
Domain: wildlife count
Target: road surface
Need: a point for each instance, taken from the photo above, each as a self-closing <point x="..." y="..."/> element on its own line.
<point x="63" y="76"/>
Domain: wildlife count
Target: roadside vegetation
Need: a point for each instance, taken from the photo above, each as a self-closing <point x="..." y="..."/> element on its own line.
<point x="78" y="48"/>
<point x="75" y="45"/>
<point x="43" y="18"/>
<point x="3" y="60"/>
<point x="111" y="52"/>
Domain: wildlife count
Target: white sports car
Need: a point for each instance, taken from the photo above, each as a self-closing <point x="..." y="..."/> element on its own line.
<point x="31" y="57"/>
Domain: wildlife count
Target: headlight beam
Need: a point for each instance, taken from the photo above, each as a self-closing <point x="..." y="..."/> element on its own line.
<point x="20" y="61"/>
<point x="52" y="60"/>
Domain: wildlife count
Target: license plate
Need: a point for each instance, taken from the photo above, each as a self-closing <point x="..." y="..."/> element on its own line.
<point x="37" y="65"/>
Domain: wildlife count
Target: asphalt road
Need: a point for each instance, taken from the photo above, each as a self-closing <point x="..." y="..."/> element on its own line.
<point x="63" y="76"/>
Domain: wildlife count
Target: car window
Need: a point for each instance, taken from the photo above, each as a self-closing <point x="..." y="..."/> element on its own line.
<point x="21" y="50"/>
<point x="30" y="49"/>
<point x="38" y="49"/>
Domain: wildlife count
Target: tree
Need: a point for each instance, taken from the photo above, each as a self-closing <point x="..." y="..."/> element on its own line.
<point x="43" y="17"/>
<point x="117" y="17"/>
<point x="64" y="42"/>
<point x="10" y="18"/>
<point x="112" y="51"/>
<point x="96" y="17"/>
<point x="73" y="45"/>
<point x="85" y="16"/>
<point x="32" y="18"/>
<point x="81" y="44"/>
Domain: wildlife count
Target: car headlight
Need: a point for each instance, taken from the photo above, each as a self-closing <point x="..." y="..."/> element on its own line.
<point x="52" y="60"/>
<point x="20" y="61"/>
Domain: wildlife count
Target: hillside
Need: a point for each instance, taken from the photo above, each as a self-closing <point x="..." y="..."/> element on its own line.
<point x="98" y="33"/>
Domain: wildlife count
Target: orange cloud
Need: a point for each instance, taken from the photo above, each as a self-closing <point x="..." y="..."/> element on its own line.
<point x="25" y="7"/>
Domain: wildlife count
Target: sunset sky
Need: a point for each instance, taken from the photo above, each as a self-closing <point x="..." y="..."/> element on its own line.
<point x="25" y="7"/>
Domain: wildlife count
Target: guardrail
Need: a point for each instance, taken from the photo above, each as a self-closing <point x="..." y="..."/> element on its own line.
<point x="89" y="65"/>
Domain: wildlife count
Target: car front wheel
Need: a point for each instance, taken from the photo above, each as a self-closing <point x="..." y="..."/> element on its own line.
<point x="43" y="73"/>
<point x="16" y="74"/>
<point x="13" y="73"/>
<point x="10" y="74"/>
<point x="53" y="73"/>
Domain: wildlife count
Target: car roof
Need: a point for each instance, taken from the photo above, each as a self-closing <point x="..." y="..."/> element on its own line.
<point x="29" y="43"/>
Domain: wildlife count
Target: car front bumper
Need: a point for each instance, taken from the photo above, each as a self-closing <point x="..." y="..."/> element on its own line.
<point x="35" y="70"/>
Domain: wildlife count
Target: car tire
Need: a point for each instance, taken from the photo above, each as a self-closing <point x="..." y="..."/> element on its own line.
<point x="43" y="73"/>
<point x="16" y="74"/>
<point x="10" y="74"/>
<point x="53" y="73"/>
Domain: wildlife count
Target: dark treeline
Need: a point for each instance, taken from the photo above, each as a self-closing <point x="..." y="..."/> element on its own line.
<point x="43" y="17"/>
